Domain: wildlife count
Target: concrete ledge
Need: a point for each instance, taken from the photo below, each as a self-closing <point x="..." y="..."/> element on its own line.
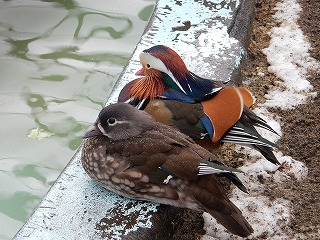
<point x="78" y="208"/>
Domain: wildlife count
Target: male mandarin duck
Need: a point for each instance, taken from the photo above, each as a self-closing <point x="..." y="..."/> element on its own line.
<point x="209" y="111"/>
<point x="128" y="152"/>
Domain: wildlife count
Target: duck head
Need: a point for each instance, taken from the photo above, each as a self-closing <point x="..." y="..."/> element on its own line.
<point x="119" y="122"/>
<point x="165" y="64"/>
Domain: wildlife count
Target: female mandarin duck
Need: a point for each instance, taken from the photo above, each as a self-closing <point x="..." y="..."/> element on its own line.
<point x="128" y="152"/>
<point x="206" y="110"/>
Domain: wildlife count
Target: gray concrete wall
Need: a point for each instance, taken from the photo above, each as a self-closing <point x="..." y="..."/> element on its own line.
<point x="211" y="37"/>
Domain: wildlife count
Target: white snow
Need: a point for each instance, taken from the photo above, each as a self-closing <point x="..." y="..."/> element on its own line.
<point x="289" y="58"/>
<point x="290" y="61"/>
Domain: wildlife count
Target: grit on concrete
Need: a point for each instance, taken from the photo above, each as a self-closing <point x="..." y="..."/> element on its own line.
<point x="301" y="135"/>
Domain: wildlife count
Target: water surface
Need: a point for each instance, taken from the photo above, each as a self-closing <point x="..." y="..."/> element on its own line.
<point x="58" y="62"/>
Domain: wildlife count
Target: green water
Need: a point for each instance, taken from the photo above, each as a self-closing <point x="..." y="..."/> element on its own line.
<point x="59" y="61"/>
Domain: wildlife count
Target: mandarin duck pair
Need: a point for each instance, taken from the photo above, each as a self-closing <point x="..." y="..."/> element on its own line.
<point x="210" y="112"/>
<point x="147" y="154"/>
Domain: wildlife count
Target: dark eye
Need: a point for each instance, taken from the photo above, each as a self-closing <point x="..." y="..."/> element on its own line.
<point x="148" y="65"/>
<point x="111" y="121"/>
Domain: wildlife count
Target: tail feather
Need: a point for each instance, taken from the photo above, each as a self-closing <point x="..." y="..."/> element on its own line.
<point x="256" y="120"/>
<point x="234" y="222"/>
<point x="212" y="199"/>
<point x="233" y="178"/>
<point x="267" y="153"/>
<point x="244" y="133"/>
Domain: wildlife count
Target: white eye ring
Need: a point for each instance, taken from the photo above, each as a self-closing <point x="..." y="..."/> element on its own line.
<point x="111" y="121"/>
<point x="148" y="65"/>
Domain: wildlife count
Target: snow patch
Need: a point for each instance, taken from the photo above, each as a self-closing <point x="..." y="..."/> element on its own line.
<point x="289" y="58"/>
<point x="268" y="217"/>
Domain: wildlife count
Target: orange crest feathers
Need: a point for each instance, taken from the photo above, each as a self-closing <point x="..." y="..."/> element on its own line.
<point x="148" y="86"/>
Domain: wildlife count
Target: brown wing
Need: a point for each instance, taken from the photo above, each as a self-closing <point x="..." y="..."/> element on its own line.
<point x="183" y="116"/>
<point x="152" y="150"/>
<point x="170" y="150"/>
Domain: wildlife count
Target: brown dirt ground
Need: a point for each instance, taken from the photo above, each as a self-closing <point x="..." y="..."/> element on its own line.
<point x="300" y="127"/>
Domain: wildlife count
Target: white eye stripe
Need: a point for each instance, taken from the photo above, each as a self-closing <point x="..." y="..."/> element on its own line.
<point x="119" y="122"/>
<point x="156" y="63"/>
<point x="104" y="132"/>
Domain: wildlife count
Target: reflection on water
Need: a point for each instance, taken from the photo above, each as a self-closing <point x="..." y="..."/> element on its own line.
<point x="58" y="61"/>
